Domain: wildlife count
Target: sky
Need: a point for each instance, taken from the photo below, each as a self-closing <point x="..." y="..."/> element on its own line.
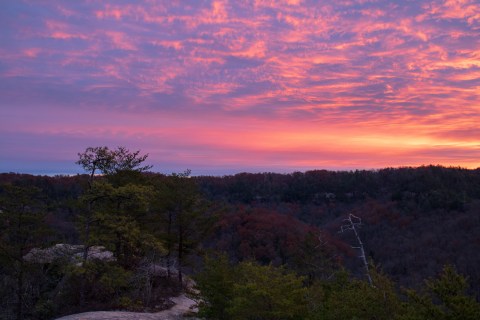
<point x="221" y="87"/>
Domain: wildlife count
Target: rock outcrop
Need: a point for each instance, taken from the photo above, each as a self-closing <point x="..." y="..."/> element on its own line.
<point x="67" y="252"/>
<point x="184" y="308"/>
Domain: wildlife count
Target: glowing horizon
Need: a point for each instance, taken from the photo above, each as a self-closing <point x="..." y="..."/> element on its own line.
<point x="230" y="86"/>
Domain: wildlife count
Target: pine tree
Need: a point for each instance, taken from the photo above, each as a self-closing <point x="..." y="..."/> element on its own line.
<point x="21" y="228"/>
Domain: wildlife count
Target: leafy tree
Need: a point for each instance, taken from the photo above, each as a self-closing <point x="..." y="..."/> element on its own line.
<point x="262" y="234"/>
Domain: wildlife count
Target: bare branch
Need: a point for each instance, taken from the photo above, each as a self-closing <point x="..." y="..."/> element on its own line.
<point x="353" y="223"/>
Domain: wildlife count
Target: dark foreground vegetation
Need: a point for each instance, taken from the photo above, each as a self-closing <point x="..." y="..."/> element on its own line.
<point x="260" y="246"/>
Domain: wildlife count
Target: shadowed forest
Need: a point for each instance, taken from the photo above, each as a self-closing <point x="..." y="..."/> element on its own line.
<point x="259" y="246"/>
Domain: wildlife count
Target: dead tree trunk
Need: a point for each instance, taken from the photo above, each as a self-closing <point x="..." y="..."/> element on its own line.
<point x="352" y="223"/>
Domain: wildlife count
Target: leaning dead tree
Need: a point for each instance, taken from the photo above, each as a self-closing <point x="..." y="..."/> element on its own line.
<point x="353" y="223"/>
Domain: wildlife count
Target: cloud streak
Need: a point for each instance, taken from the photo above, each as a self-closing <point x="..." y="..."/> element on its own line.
<point x="243" y="85"/>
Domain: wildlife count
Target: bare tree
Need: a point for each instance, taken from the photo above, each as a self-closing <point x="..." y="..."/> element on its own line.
<point x="353" y="223"/>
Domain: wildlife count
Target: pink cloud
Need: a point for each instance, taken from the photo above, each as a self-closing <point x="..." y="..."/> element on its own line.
<point x="32" y="52"/>
<point x="457" y="9"/>
<point x="121" y="40"/>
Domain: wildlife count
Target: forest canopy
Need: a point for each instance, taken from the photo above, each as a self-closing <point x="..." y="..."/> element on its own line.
<point x="259" y="246"/>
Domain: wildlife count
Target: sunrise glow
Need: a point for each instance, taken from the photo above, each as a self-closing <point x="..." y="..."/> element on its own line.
<point x="229" y="86"/>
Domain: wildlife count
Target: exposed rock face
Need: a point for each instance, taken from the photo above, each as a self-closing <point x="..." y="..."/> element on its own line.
<point x="183" y="308"/>
<point x="63" y="251"/>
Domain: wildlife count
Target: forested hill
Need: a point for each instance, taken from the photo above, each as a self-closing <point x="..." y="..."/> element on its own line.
<point x="414" y="221"/>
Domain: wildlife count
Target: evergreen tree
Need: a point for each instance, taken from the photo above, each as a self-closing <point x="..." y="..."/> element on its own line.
<point x="115" y="207"/>
<point x="216" y="287"/>
<point x="187" y="218"/>
<point x="345" y="298"/>
<point x="445" y="298"/>
<point x="21" y="228"/>
<point x="250" y="291"/>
